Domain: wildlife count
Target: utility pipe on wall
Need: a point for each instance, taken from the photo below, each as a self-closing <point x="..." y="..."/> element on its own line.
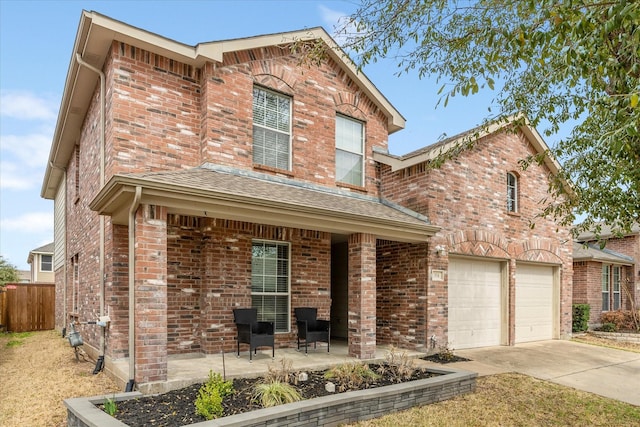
<point x="132" y="299"/>
<point x="102" y="149"/>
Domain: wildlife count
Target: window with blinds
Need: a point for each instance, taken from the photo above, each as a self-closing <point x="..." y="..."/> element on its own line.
<point x="270" y="282"/>
<point x="271" y="129"/>
<point x="349" y="151"/>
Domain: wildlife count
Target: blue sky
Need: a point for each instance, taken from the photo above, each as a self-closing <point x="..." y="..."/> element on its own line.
<point x="36" y="38"/>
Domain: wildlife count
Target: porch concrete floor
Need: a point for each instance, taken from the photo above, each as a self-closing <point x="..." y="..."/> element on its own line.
<point x="194" y="368"/>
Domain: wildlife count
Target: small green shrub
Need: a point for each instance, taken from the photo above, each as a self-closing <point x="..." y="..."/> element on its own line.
<point x="580" y="317"/>
<point x="110" y="406"/>
<point x="275" y="393"/>
<point x="209" y="400"/>
<point x="608" y="327"/>
<point x="209" y="403"/>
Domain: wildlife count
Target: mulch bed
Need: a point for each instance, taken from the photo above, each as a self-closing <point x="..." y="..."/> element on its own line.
<point x="177" y="408"/>
<point x="445" y="358"/>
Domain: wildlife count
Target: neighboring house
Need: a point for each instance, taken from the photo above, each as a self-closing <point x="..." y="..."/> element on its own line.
<point x="606" y="278"/>
<point x="24" y="276"/>
<point x="190" y="180"/>
<point x="41" y="261"/>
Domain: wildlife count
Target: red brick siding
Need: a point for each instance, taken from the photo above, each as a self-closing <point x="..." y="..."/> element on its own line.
<point x="185" y="268"/>
<point x="155" y="112"/>
<point x="362" y="295"/>
<point x="82" y="226"/>
<point x="117" y="289"/>
<point x="401" y="291"/>
<point x="151" y="294"/>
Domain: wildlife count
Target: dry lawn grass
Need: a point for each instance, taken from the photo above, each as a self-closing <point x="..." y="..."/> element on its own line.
<point x="595" y="340"/>
<point x="37" y="372"/>
<point x="516" y="400"/>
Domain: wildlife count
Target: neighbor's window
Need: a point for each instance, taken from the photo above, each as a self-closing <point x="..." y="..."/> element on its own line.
<point x="271" y="129"/>
<point x="270" y="282"/>
<point x="615" y="301"/>
<point x="349" y="151"/>
<point x="606" y="287"/>
<point x="46" y="262"/>
<point x="512" y="192"/>
<point x="611" y="297"/>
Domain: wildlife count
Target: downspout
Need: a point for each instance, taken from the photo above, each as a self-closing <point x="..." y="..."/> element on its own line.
<point x="132" y="299"/>
<point x="102" y="149"/>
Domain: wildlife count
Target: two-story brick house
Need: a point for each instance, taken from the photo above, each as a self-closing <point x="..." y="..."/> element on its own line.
<point x="191" y="180"/>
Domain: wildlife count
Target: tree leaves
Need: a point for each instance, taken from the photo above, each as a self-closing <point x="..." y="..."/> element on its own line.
<point x="556" y="61"/>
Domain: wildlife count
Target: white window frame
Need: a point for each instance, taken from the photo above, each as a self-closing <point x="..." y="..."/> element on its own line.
<point x="606" y="287"/>
<point x="616" y="301"/>
<point x="512" y="192"/>
<point x="42" y="263"/>
<point x="279" y="328"/>
<point x="340" y="148"/>
<point x="258" y="148"/>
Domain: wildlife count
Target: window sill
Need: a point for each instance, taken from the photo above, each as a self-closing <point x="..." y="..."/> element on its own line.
<point x="351" y="186"/>
<point x="279" y="171"/>
<point x="514" y="214"/>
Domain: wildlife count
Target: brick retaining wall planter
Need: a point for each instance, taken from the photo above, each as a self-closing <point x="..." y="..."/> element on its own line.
<point x="330" y="410"/>
<point x="618" y="336"/>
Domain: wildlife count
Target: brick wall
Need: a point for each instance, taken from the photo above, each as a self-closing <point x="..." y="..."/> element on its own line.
<point x="185" y="269"/>
<point x="362" y="295"/>
<point x="83" y="182"/>
<point x="151" y="294"/>
<point x="587" y="288"/>
<point x="154" y="120"/>
<point x="401" y="292"/>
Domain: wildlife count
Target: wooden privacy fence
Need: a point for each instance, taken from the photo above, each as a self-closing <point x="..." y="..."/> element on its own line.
<point x="28" y="307"/>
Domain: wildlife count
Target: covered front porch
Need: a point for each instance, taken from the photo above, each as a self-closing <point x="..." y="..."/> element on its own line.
<point x="196" y="237"/>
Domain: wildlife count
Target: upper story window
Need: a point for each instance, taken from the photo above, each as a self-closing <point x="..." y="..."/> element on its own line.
<point x="46" y="263"/>
<point x="512" y="192"/>
<point x="271" y="129"/>
<point x="349" y="151"/>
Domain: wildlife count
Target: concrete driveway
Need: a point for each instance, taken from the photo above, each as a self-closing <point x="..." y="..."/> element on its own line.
<point x="604" y="371"/>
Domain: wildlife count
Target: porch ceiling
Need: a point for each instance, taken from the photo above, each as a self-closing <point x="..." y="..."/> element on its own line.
<point x="210" y="191"/>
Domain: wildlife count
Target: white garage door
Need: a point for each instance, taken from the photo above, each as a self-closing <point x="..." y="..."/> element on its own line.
<point x="474" y="303"/>
<point x="534" y="303"/>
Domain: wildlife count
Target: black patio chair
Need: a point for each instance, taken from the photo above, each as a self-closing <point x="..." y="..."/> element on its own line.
<point x="250" y="331"/>
<point x="310" y="328"/>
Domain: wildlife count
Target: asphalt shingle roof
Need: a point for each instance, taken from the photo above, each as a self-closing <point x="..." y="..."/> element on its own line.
<point x="271" y="189"/>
